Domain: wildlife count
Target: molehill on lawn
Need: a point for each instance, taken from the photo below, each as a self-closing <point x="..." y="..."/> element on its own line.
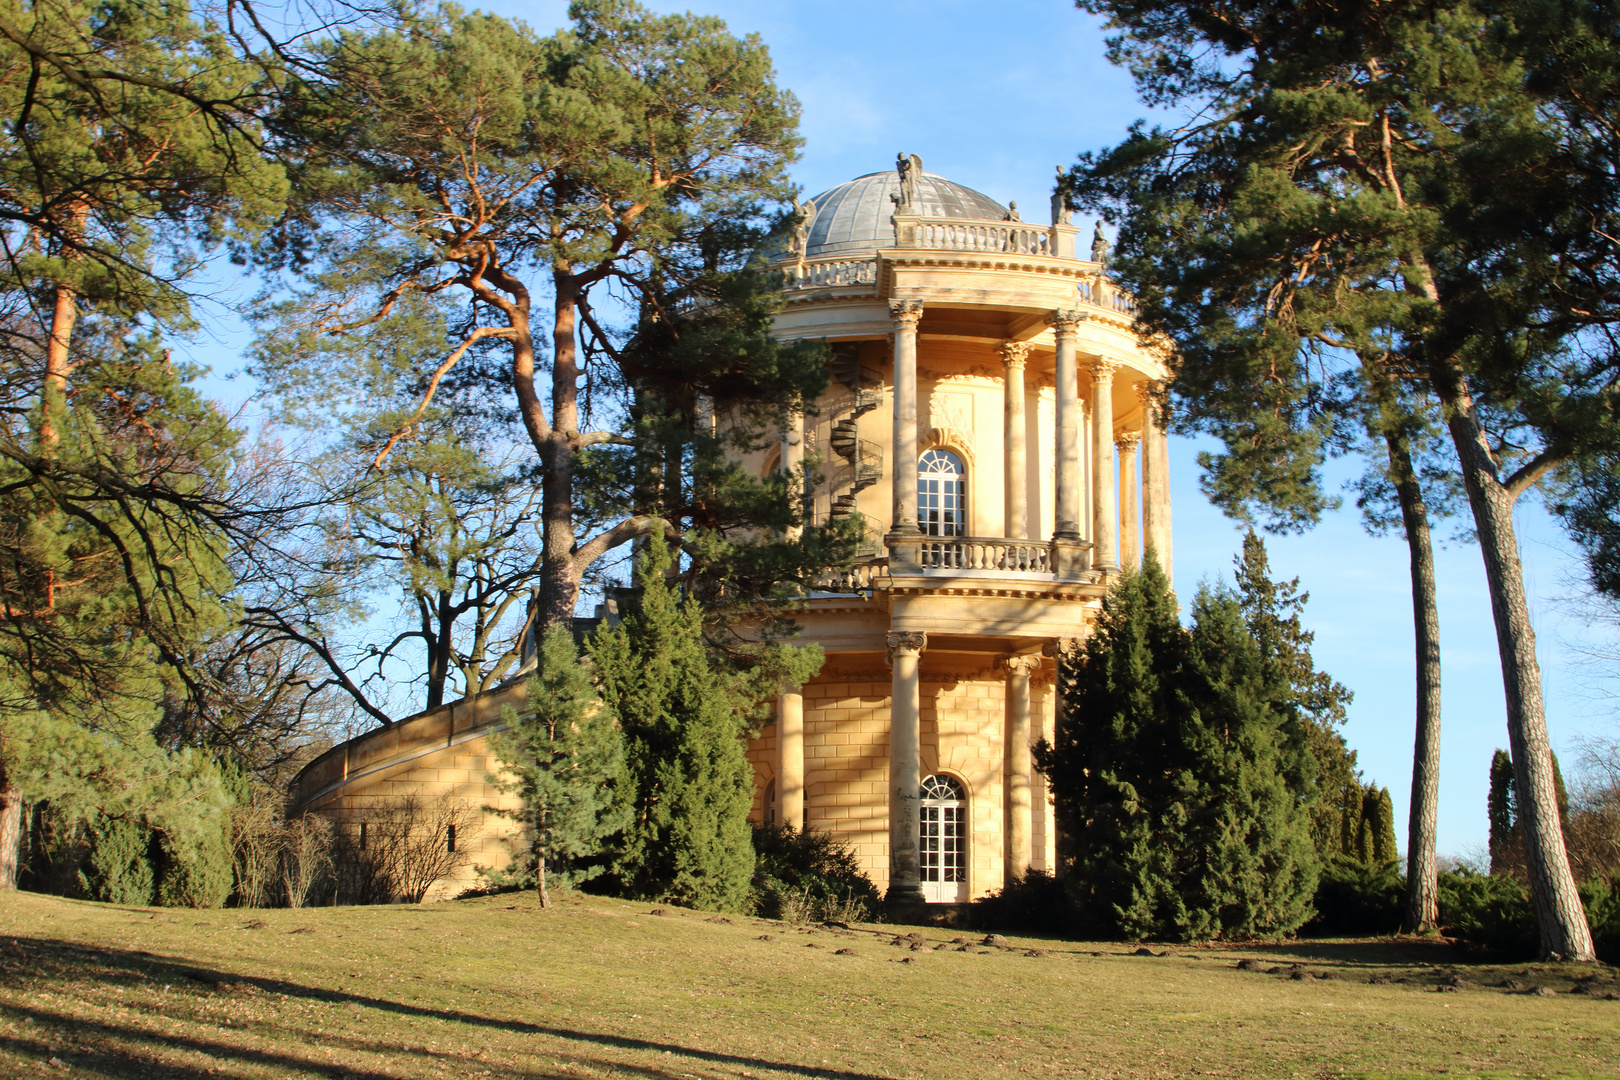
<point x="493" y="987"/>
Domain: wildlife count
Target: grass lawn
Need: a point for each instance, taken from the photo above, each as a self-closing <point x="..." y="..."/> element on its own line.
<point x="495" y="988"/>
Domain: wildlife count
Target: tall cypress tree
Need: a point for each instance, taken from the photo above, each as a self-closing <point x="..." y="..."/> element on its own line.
<point x="1180" y="776"/>
<point x="684" y="723"/>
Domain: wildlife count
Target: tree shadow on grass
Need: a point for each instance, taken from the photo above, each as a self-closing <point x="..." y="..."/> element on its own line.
<point x="51" y="959"/>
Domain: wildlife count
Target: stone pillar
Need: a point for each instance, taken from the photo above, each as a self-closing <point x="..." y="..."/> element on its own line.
<point x="905" y="767"/>
<point x="790" y="757"/>
<point x="1017" y="773"/>
<point x="1015" y="523"/>
<point x="906" y="314"/>
<point x="1155" y="473"/>
<point x="793" y="461"/>
<point x="1102" y="463"/>
<point x="1066" y="498"/>
<point x="1130" y="541"/>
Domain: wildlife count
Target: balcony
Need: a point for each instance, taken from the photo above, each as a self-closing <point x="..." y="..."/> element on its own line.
<point x="960" y="559"/>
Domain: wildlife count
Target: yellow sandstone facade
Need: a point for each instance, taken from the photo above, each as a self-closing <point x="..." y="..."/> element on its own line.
<point x="993" y="418"/>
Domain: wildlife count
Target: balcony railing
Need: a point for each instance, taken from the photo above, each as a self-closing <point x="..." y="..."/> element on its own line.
<point x="985" y="553"/>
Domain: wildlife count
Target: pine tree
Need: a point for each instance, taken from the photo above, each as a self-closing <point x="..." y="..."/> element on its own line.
<point x="1417" y="195"/>
<point x="565" y="758"/>
<point x="1179" y="774"/>
<point x="684" y="723"/>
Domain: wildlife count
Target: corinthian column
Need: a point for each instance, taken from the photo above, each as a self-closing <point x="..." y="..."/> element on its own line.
<point x="1155" y="474"/>
<point x="906" y="314"/>
<point x="1066" y="501"/>
<point x="790" y="757"/>
<point x="1130" y="545"/>
<point x="905" y="767"/>
<point x="1102" y="463"/>
<point x="1016" y="521"/>
<point x="1017" y="774"/>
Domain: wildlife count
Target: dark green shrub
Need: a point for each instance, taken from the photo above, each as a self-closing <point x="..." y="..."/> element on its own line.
<point x="119" y="869"/>
<point x="198" y="874"/>
<point x="1493" y="912"/>
<point x="1356" y="900"/>
<point x="1602" y="900"/>
<point x="1488" y="910"/>
<point x="1036" y="903"/>
<point x="808" y="875"/>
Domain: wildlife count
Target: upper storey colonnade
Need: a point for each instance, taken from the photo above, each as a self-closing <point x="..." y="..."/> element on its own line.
<point x="950" y="278"/>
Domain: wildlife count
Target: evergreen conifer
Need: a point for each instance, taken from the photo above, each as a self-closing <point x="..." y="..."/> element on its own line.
<point x="684" y="722"/>
<point x="1179" y="774"/>
<point x="565" y="758"/>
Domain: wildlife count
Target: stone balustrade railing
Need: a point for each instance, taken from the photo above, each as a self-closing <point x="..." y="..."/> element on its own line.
<point x="985" y="553"/>
<point x="953" y="234"/>
<point x="1101" y="294"/>
<point x="829" y="273"/>
<point x="857" y="578"/>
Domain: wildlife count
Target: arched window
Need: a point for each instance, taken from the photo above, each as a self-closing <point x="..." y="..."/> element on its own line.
<point x="942" y="494"/>
<point x="942" y="840"/>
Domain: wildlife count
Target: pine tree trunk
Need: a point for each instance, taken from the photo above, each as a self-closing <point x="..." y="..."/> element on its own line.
<point x="1422" y="874"/>
<point x="559" y="578"/>
<point x="10" y="829"/>
<point x="58" y="365"/>
<point x="540" y="882"/>
<point x="1560" y="917"/>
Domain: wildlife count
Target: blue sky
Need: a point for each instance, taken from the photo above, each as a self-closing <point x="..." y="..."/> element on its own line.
<point x="996" y="96"/>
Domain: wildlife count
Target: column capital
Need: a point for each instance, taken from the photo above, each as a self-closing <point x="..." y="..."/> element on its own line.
<point x="1066" y="322"/>
<point x="905" y="313"/>
<point x="1128" y="441"/>
<point x="1013" y="353"/>
<point x="1021" y="664"/>
<point x="1102" y="369"/>
<point x="905" y="643"/>
<point x="1151" y="392"/>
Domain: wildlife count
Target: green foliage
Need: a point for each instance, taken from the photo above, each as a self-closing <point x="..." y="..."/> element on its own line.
<point x="810" y="869"/>
<point x="1180" y="777"/>
<point x="1375" y="835"/>
<point x="1501" y="812"/>
<point x="197" y="874"/>
<point x="1493" y="911"/>
<point x="1273" y="611"/>
<point x="119" y="869"/>
<point x="564" y="757"/>
<point x="1358" y="899"/>
<point x="684" y="723"/>
<point x="461" y="159"/>
<point x="1506" y="843"/>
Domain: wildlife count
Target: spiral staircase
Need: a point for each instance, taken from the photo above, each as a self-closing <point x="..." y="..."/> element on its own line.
<point x="864" y="458"/>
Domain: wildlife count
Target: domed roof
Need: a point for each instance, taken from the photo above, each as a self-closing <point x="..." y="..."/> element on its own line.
<point x="854" y="217"/>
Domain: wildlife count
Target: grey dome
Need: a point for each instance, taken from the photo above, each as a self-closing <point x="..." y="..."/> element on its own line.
<point x="854" y="217"/>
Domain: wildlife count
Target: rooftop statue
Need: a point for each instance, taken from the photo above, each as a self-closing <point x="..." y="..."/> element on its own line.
<point x="1060" y="208"/>
<point x="1099" y="245"/>
<point x="802" y="222"/>
<point x="910" y="167"/>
